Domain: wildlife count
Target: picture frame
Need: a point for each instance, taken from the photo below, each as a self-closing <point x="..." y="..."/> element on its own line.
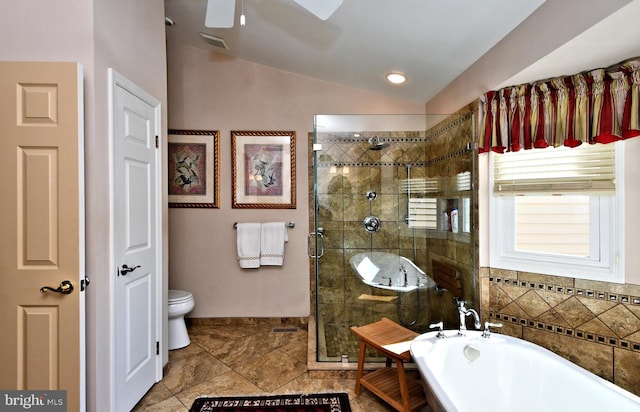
<point x="193" y="168"/>
<point x="263" y="167"/>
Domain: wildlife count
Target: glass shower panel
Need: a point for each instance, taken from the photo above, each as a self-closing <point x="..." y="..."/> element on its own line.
<point x="361" y="168"/>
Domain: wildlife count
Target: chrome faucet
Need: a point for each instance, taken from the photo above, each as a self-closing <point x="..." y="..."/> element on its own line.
<point x="464" y="312"/>
<point x="486" y="333"/>
<point x="404" y="270"/>
<point x="439" y="326"/>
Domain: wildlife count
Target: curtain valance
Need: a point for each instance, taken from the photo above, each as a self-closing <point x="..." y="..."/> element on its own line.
<point x="596" y="106"/>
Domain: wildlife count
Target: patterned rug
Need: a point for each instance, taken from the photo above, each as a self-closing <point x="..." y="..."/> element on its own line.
<point x="320" y="402"/>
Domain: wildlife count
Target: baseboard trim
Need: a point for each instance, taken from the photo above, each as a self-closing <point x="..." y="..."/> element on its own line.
<point x="301" y="322"/>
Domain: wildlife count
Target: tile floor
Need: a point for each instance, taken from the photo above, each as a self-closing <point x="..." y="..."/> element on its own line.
<point x="229" y="360"/>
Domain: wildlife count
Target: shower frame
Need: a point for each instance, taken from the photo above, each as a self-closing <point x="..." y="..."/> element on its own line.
<point x="343" y="171"/>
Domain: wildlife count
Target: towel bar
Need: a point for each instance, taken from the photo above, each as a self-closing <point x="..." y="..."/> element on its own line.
<point x="290" y="225"/>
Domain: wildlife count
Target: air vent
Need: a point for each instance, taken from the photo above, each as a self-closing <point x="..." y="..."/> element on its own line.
<point x="292" y="329"/>
<point x="215" y="41"/>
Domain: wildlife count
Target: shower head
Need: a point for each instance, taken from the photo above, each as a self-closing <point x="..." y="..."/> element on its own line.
<point x="375" y="143"/>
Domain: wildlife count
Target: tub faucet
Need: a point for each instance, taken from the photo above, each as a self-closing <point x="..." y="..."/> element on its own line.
<point x="464" y="312"/>
<point x="439" y="326"/>
<point x="486" y="333"/>
<point x="404" y="270"/>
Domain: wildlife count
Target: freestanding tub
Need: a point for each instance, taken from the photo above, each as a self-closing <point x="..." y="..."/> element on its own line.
<point x="506" y="374"/>
<point x="389" y="271"/>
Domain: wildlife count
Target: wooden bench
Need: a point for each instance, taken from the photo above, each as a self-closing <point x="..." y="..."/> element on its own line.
<point x="389" y="383"/>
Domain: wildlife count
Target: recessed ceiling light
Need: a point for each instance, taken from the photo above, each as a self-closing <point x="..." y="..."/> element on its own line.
<point x="396" y="78"/>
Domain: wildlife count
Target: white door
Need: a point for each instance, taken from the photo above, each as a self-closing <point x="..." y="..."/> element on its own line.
<point x="137" y="273"/>
<point x="42" y="229"/>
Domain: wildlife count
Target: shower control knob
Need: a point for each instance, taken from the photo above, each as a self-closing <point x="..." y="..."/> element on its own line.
<point x="371" y="224"/>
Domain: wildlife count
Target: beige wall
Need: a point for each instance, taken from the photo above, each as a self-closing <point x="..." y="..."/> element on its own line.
<point x="210" y="91"/>
<point x="553" y="24"/>
<point x="128" y="37"/>
<point x="125" y="35"/>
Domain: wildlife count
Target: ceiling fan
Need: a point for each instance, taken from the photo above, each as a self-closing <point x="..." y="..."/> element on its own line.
<point x="221" y="13"/>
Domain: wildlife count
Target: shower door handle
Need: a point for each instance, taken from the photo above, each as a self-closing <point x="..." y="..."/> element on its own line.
<point x="320" y="236"/>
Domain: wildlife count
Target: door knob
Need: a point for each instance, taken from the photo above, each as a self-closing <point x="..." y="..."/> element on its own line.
<point x="65" y="288"/>
<point x="126" y="269"/>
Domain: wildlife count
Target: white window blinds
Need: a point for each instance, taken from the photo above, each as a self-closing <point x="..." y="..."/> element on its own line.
<point x="587" y="169"/>
<point x="422" y="210"/>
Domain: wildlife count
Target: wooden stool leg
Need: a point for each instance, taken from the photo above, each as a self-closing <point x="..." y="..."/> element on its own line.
<point x="404" y="389"/>
<point x="361" y="355"/>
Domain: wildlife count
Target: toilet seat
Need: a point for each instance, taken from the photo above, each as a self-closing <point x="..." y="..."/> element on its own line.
<point x="179" y="296"/>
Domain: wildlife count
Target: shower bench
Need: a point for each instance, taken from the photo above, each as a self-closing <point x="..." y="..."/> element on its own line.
<point x="390" y="384"/>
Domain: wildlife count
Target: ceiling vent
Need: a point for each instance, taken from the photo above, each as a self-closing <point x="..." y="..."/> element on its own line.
<point x="215" y="41"/>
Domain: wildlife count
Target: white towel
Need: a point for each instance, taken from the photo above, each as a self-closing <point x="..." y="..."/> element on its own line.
<point x="248" y="242"/>
<point x="273" y="235"/>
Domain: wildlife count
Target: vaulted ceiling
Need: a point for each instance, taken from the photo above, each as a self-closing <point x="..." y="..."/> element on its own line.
<point x="434" y="43"/>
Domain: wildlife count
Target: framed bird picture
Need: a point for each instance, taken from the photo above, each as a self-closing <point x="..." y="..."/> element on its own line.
<point x="193" y="167"/>
<point x="263" y="165"/>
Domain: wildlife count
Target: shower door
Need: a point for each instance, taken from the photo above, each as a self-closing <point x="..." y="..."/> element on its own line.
<point x="358" y="163"/>
<point x="361" y="166"/>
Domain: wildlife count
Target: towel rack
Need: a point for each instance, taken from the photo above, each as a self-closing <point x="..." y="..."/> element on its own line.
<point x="290" y="225"/>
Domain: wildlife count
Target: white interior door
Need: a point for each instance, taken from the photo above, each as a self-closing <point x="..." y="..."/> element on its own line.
<point x="42" y="229"/>
<point x="137" y="249"/>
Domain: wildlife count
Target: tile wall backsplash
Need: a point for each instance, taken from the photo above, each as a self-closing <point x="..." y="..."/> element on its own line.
<point x="593" y="324"/>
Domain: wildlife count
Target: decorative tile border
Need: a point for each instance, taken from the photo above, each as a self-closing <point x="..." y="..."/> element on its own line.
<point x="601" y="295"/>
<point x="351" y="140"/>
<point x="371" y="164"/>
<point x="433" y="134"/>
<point x="561" y="330"/>
<point x="429" y="162"/>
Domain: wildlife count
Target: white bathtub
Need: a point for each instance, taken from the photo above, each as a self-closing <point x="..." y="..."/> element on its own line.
<point x="505" y="374"/>
<point x="389" y="271"/>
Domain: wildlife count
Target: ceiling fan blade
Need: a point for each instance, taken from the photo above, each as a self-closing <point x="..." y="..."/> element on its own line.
<point x="323" y="9"/>
<point x="220" y="13"/>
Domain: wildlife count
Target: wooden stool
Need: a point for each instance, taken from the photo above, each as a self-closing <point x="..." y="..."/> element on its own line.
<point x="390" y="384"/>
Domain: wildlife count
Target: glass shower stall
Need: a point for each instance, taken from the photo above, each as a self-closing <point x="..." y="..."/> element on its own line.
<point x="389" y="195"/>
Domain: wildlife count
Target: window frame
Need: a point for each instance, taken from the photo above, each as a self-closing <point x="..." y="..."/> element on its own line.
<point x="608" y="266"/>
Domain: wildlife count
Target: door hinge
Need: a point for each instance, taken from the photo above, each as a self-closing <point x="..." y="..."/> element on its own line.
<point x="157" y="348"/>
<point x="157" y="141"/>
<point x="84" y="283"/>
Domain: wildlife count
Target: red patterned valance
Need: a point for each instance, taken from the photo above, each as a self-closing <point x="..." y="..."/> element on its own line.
<point x="597" y="106"/>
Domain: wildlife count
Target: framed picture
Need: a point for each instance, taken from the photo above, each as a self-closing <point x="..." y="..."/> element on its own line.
<point x="194" y="179"/>
<point x="264" y="169"/>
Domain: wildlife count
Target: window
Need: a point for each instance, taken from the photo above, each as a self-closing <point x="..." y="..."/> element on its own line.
<point x="558" y="211"/>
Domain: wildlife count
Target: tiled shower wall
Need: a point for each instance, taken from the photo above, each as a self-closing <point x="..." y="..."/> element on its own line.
<point x="347" y="171"/>
<point x="593" y="324"/>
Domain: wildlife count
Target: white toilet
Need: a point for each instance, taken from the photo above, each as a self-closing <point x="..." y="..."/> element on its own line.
<point x="180" y="303"/>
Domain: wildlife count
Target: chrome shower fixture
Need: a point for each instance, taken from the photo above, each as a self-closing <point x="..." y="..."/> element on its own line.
<point x="371" y="224"/>
<point x="371" y="195"/>
<point x="375" y="143"/>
